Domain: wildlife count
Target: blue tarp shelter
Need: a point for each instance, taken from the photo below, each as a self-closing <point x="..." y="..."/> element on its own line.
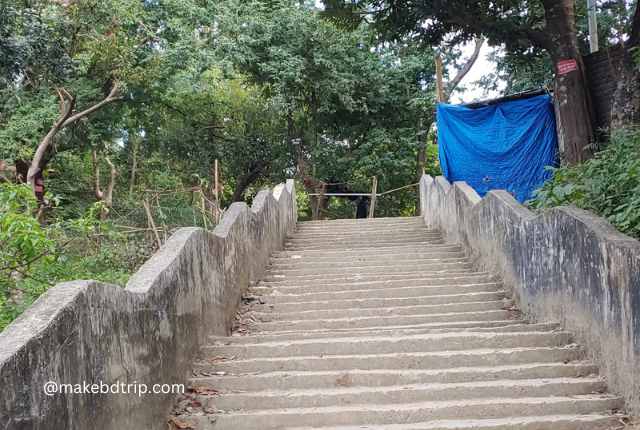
<point x="505" y="145"/>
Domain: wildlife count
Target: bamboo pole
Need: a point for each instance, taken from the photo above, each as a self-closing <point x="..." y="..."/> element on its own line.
<point x="439" y="79"/>
<point x="374" y="195"/>
<point x="203" y="204"/>
<point x="152" y="223"/>
<point x="216" y="215"/>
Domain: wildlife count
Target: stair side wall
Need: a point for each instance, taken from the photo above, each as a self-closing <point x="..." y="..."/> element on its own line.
<point x="564" y="264"/>
<point x="148" y="332"/>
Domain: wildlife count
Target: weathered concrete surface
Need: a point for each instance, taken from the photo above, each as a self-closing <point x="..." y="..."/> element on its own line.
<point x="325" y="347"/>
<point x="149" y="332"/>
<point x="565" y="264"/>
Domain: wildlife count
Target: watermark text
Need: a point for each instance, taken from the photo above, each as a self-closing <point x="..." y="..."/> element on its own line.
<point x="52" y="388"/>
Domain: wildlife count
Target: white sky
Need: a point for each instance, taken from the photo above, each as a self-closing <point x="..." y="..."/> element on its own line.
<point x="482" y="67"/>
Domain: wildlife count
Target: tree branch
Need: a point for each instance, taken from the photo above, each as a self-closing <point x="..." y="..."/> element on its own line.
<point x="103" y="196"/>
<point x="66" y="118"/>
<point x="112" y="97"/>
<point x="453" y="84"/>
<point x="67" y="103"/>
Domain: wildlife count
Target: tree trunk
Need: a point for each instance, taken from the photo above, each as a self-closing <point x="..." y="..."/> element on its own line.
<point x="241" y="186"/>
<point x="134" y="165"/>
<point x="462" y="72"/>
<point x="35" y="174"/>
<point x="571" y="90"/>
<point x="625" y="109"/>
<point x="626" y="100"/>
<point x="423" y="135"/>
<point x="103" y="196"/>
<point x="245" y="181"/>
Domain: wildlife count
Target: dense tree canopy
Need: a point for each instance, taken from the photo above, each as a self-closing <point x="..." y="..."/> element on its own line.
<point x="525" y="29"/>
<point x="111" y="108"/>
<point x="114" y="113"/>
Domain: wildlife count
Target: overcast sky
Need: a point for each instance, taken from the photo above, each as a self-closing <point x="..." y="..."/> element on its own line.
<point x="482" y="67"/>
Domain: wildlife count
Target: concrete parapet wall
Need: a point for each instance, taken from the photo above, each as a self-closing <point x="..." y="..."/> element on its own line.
<point x="564" y="264"/>
<point x="148" y="332"/>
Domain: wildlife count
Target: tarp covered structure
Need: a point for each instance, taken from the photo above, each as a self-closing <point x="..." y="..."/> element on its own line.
<point x="505" y="145"/>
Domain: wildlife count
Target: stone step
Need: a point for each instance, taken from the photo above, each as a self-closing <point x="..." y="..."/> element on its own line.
<point x="379" y="324"/>
<point x="388" y="311"/>
<point x="381" y="414"/>
<point x="432" y="277"/>
<point x="388" y="345"/>
<point x="397" y="361"/>
<point x="363" y="228"/>
<point x="372" y="303"/>
<point x="545" y="422"/>
<point x="380" y="225"/>
<point x="364" y="233"/>
<point x="372" y="239"/>
<point x="357" y="268"/>
<point x="400" y="394"/>
<point x="372" y="252"/>
<point x="360" y="322"/>
<point x="360" y="222"/>
<point x="423" y="243"/>
<point x="509" y="326"/>
<point x="373" y="290"/>
<point x="326" y="259"/>
<point x="389" y="377"/>
<point x="309" y="264"/>
<point x="384" y="241"/>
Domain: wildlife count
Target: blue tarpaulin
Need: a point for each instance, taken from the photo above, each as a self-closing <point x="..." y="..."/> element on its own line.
<point x="502" y="146"/>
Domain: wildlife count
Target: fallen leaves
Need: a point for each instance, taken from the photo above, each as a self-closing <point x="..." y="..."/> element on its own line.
<point x="176" y="424"/>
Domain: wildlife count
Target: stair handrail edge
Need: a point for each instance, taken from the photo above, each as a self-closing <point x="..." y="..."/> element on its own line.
<point x="563" y="264"/>
<point x="35" y="329"/>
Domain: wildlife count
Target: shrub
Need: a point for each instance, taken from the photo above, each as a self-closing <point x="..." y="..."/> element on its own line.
<point x="34" y="257"/>
<point x="608" y="185"/>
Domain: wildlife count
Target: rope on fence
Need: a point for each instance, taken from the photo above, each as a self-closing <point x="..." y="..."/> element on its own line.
<point x="398" y="189"/>
<point x="362" y="194"/>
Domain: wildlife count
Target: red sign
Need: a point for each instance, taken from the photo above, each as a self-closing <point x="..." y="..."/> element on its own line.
<point x="566" y="66"/>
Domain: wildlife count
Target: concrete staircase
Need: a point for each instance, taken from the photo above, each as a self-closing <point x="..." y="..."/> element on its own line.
<point x="380" y="324"/>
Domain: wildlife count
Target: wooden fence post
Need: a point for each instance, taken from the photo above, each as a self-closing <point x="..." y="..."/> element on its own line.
<point x="152" y="224"/>
<point x="439" y="80"/>
<point x="374" y="195"/>
<point x="216" y="209"/>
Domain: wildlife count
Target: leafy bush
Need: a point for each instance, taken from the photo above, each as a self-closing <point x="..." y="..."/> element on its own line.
<point x="608" y="184"/>
<point x="34" y="257"/>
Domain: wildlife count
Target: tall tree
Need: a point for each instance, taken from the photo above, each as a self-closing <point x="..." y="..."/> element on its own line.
<point x="519" y="25"/>
<point x="626" y="106"/>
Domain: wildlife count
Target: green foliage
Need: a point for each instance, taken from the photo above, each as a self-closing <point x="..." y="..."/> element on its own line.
<point x="608" y="185"/>
<point x="32" y="42"/>
<point x="34" y="257"/>
<point x="269" y="88"/>
<point x="22" y="239"/>
<point x="522" y="32"/>
<point x="636" y="55"/>
<point x="510" y="22"/>
<point x="28" y="114"/>
<point x="517" y="73"/>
